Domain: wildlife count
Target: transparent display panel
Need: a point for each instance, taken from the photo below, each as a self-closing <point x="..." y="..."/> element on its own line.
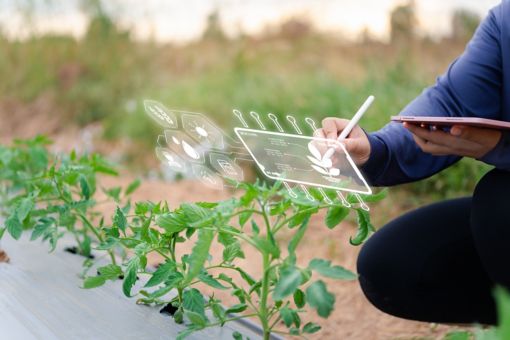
<point x="298" y="159"/>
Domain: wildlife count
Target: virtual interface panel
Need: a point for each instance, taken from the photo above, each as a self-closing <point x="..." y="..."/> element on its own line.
<point x="298" y="159"/>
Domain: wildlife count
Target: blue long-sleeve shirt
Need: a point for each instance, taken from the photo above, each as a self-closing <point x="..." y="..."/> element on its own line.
<point x="476" y="84"/>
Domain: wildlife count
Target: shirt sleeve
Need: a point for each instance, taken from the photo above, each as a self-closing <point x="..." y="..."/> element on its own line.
<point x="471" y="87"/>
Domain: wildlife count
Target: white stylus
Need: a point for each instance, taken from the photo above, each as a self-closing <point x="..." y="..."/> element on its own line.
<point x="345" y="132"/>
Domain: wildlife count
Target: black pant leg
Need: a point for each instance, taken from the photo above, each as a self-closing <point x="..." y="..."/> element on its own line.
<point x="490" y="224"/>
<point x="424" y="266"/>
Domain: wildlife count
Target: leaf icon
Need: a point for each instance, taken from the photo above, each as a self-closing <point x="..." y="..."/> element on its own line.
<point x="314" y="151"/>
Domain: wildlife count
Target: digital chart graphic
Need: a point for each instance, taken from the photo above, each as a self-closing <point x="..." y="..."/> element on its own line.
<point x="193" y="145"/>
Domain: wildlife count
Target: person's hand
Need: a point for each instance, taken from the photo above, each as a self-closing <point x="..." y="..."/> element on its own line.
<point x="356" y="144"/>
<point x="465" y="141"/>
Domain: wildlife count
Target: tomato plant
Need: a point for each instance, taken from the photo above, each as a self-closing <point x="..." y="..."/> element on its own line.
<point x="54" y="195"/>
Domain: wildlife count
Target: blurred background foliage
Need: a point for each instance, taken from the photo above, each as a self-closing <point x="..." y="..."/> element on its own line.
<point x="101" y="80"/>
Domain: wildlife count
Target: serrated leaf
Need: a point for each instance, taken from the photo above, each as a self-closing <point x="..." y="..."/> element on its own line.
<point x="132" y="187"/>
<point x="93" y="282"/>
<point x="171" y="222"/>
<point x="193" y="301"/>
<point x="266" y="246"/>
<point x="336" y="215"/>
<point x="311" y="328"/>
<point x="320" y="299"/>
<point x="286" y="315"/>
<point x="161" y="274"/>
<point x="41" y="228"/>
<point x="211" y="281"/>
<point x="14" y="227"/>
<point x="110" y="272"/>
<point x="244" y="217"/>
<point x="199" y="254"/>
<point x="196" y="319"/>
<point x="85" y="187"/>
<point x="119" y="220"/>
<point x="255" y="228"/>
<point x="290" y="279"/>
<point x="130" y="275"/>
<point x="24" y="208"/>
<point x="324" y="268"/>
<point x="232" y="252"/>
<point x="294" y="242"/>
<point x="195" y="213"/>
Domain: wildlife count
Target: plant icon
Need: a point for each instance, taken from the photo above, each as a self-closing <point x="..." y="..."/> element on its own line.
<point x="322" y="166"/>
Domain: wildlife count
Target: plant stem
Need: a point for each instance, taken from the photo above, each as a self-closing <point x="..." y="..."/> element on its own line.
<point x="266" y="263"/>
<point x="97" y="234"/>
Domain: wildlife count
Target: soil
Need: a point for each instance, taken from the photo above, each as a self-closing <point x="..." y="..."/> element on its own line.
<point x="354" y="317"/>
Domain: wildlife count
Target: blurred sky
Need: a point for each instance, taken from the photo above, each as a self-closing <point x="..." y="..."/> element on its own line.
<point x="184" y="20"/>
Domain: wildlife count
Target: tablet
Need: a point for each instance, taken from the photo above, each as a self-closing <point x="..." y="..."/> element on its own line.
<point x="449" y="121"/>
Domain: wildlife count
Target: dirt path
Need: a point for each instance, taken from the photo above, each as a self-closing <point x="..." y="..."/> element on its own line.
<point x="354" y="317"/>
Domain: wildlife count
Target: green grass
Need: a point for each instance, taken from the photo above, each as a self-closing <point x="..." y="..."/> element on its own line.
<point x="106" y="76"/>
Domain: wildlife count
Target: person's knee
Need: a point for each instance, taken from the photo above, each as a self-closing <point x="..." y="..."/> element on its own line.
<point x="491" y="192"/>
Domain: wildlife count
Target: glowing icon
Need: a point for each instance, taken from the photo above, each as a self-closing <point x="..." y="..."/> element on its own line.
<point x="225" y="166"/>
<point x="311" y="122"/>
<point x="183" y="146"/>
<point x="170" y="159"/>
<point x="307" y="193"/>
<point x="292" y="120"/>
<point x="203" y="131"/>
<point x="160" y="114"/>
<point x="207" y="177"/>
<point x="343" y="200"/>
<point x="239" y="116"/>
<point x="290" y="190"/>
<point x="256" y="116"/>
<point x="273" y="117"/>
<point x="322" y="166"/>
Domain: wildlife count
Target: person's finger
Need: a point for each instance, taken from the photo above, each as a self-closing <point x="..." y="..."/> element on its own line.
<point x="471" y="133"/>
<point x="437" y="137"/>
<point x="329" y="128"/>
<point x="432" y="148"/>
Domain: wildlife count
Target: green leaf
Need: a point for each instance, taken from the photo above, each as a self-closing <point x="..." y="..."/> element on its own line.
<point x="239" y="308"/>
<point x="41" y="228"/>
<point x="199" y="254"/>
<point x="289" y="281"/>
<point x="244" y="217"/>
<point x="130" y="276"/>
<point x="161" y="274"/>
<point x="85" y="188"/>
<point x="93" y="282"/>
<point x="110" y="272"/>
<point x="24" y="208"/>
<point x="503" y="305"/>
<point x="195" y="213"/>
<point x="132" y="187"/>
<point x="311" y="328"/>
<point x="286" y="315"/>
<point x="113" y="193"/>
<point x="336" y="215"/>
<point x="119" y="220"/>
<point x="196" y="319"/>
<point x="324" y="268"/>
<point x="14" y="227"/>
<point x="319" y="298"/>
<point x="371" y="198"/>
<point x="266" y="246"/>
<point x="254" y="227"/>
<point x="171" y="222"/>
<point x="299" y="298"/>
<point x="364" y="228"/>
<point x="459" y="335"/>
<point x="237" y="336"/>
<point x="294" y="242"/>
<point x="232" y="252"/>
<point x="193" y="301"/>
<point x="211" y="281"/>
<point x="2" y="231"/>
